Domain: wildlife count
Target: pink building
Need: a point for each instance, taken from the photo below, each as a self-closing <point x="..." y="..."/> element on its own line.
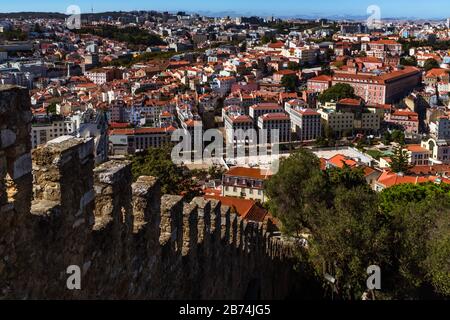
<point x="408" y="120"/>
<point x="384" y="88"/>
<point x="320" y="83"/>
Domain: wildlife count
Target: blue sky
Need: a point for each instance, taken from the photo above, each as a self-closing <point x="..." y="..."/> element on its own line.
<point x="389" y="8"/>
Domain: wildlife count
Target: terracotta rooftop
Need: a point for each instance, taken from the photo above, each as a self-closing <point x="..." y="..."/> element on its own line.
<point x="248" y="173"/>
<point x="438" y="72"/>
<point x="275" y="116"/>
<point x="416" y="148"/>
<point x="266" y="106"/>
<point x="389" y="179"/>
<point x="340" y="161"/>
<point x="246" y="209"/>
<point x="141" y="131"/>
<point x="321" y="78"/>
<point x="350" y="102"/>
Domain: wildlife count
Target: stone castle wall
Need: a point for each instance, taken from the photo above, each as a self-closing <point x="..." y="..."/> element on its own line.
<point x="131" y="242"/>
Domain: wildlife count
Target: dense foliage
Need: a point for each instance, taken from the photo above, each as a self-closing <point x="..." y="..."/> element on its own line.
<point x="399" y="160"/>
<point x="431" y="64"/>
<point x="130" y="35"/>
<point x="337" y="92"/>
<point x="156" y="162"/>
<point x="290" y="82"/>
<point x="405" y="230"/>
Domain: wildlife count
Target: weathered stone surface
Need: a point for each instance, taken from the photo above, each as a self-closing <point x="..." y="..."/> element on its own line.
<point x="22" y="166"/>
<point x="7" y="138"/>
<point x="129" y="241"/>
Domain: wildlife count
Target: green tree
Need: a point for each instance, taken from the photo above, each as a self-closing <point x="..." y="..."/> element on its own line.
<point x="243" y="47"/>
<point x="216" y="172"/>
<point x="399" y="160"/>
<point x="156" y="162"/>
<point x="290" y="82"/>
<point x="349" y="237"/>
<point x="405" y="229"/>
<point x="294" y="66"/>
<point x="37" y="28"/>
<point x="387" y="138"/>
<point x="398" y="136"/>
<point x="419" y="220"/>
<point x="267" y="39"/>
<point x="337" y="92"/>
<point x="431" y="64"/>
<point x="409" y="61"/>
<point x="51" y="109"/>
<point x="297" y="191"/>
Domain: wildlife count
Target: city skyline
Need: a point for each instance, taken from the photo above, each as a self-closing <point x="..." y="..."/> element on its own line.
<point x="288" y="8"/>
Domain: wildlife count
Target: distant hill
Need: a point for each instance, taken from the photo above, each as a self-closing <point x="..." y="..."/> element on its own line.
<point x="58" y="15"/>
<point x="33" y="15"/>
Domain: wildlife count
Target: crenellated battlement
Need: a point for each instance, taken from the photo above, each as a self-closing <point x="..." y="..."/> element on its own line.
<point x="57" y="209"/>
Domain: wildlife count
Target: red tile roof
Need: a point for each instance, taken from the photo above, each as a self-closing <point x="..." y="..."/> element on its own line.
<point x="340" y="161"/>
<point x="276" y="45"/>
<point x="416" y="148"/>
<point x="350" y="102"/>
<point x="266" y="106"/>
<point x="286" y="72"/>
<point x="389" y="179"/>
<point x="241" y="119"/>
<point x="141" y="131"/>
<point x="321" y="78"/>
<point x="275" y="116"/>
<point x="248" y="173"/>
<point x="246" y="209"/>
<point x="437" y="72"/>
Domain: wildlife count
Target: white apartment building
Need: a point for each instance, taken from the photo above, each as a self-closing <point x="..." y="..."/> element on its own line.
<point x="417" y="155"/>
<point x="304" y="121"/>
<point x="46" y="130"/>
<point x="100" y="76"/>
<point x="261" y="109"/>
<point x="235" y="124"/>
<point x="439" y="142"/>
<point x="222" y="85"/>
<point x="439" y="150"/>
<point x="440" y="129"/>
<point x="276" y="121"/>
<point x="337" y="121"/>
<point x="247" y="183"/>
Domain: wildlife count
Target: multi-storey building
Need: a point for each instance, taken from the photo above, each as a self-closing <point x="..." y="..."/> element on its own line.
<point x="222" y="85"/>
<point x="440" y="128"/>
<point x="260" y="109"/>
<point x="382" y="48"/>
<point x="417" y="155"/>
<point x="337" y="122"/>
<point x="304" y="121"/>
<point x="384" y="88"/>
<point x="129" y="141"/>
<point x="407" y="120"/>
<point x="247" y="183"/>
<point x="44" y="129"/>
<point x="319" y="84"/>
<point x="275" y="121"/>
<point x="439" y="141"/>
<point x="100" y="76"/>
<point x="235" y="125"/>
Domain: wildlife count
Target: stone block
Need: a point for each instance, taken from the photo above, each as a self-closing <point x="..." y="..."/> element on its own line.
<point x="22" y="166"/>
<point x="7" y="138"/>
